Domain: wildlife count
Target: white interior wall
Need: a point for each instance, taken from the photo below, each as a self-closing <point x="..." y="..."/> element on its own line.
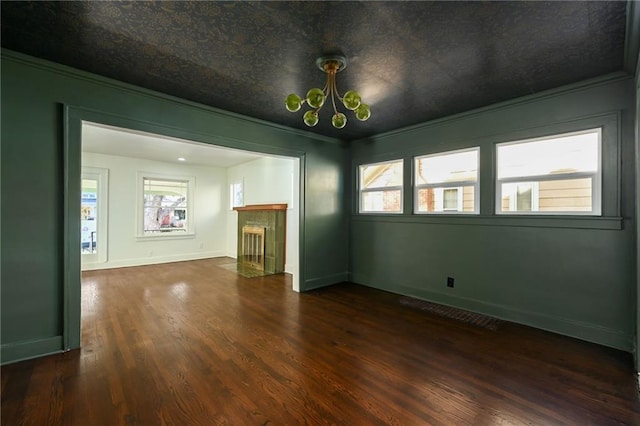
<point x="210" y="210"/>
<point x="268" y="180"/>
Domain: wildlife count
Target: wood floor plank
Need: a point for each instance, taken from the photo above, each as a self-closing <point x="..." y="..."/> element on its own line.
<point x="191" y="343"/>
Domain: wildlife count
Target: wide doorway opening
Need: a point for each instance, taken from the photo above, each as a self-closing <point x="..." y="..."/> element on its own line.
<point x="151" y="199"/>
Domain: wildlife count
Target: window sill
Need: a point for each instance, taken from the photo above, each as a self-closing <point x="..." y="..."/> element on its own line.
<point x="166" y="236"/>
<point x="576" y="222"/>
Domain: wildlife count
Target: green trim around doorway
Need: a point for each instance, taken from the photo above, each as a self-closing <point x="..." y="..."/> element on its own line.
<point x="72" y="153"/>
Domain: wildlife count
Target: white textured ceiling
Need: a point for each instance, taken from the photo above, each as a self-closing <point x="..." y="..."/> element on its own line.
<point x="127" y="143"/>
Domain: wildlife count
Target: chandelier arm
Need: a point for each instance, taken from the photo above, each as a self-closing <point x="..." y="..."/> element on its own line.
<point x="326" y="85"/>
<point x="333" y="91"/>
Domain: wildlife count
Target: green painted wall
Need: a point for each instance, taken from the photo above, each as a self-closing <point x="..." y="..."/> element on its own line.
<point x="34" y="96"/>
<point x="574" y="276"/>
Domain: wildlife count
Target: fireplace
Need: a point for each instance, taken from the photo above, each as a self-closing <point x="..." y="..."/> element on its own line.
<point x="252" y="253"/>
<point x="261" y="237"/>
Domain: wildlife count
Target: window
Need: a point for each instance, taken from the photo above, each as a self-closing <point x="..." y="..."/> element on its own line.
<point x="553" y="175"/>
<point x="451" y="199"/>
<point x="447" y="182"/>
<point x="381" y="187"/>
<point x="520" y="196"/>
<point x="166" y="206"/>
<point x="236" y="196"/>
<point x="93" y="215"/>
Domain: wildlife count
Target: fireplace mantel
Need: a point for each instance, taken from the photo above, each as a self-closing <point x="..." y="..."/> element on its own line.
<point x="254" y="207"/>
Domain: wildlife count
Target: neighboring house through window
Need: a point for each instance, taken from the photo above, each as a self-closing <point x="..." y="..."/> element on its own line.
<point x="521" y="197"/>
<point x="448" y="199"/>
<point x="380" y="187"/>
<point x="447" y="182"/>
<point x="553" y="175"/>
<point x="167" y="205"/>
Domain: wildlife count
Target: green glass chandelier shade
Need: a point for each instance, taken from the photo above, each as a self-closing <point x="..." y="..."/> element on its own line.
<point x="351" y="100"/>
<point x="293" y="103"/>
<point x="310" y="118"/>
<point x="363" y="112"/>
<point x="339" y="120"/>
<point x="316" y="97"/>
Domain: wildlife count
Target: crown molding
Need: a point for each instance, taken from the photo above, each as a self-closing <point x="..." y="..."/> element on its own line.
<point x="75" y="73"/>
<point x="547" y="94"/>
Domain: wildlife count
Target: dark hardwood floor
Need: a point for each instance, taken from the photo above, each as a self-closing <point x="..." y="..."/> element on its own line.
<point x="191" y="343"/>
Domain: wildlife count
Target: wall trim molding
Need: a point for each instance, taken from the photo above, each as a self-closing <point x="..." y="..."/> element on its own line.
<point x="137" y="124"/>
<point x="73" y="116"/>
<point x="617" y="339"/>
<point x="28" y="349"/>
<point x="120" y="85"/>
<point x="521" y="221"/>
<point x="325" y="281"/>
<point x="632" y="38"/>
<point x="528" y="99"/>
<point x="141" y="261"/>
<point x="611" y="124"/>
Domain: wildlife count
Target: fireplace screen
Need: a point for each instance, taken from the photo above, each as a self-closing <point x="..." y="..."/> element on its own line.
<point x="253" y="247"/>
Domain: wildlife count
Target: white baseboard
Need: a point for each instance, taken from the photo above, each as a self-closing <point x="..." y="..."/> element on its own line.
<point x="154" y="260"/>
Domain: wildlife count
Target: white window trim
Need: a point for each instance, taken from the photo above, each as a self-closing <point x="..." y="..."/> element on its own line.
<point x="596" y="182"/>
<point x="455" y="184"/>
<point x="190" y="231"/>
<point x="362" y="192"/>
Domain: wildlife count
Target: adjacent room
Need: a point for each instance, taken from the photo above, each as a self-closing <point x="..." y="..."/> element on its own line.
<point x="175" y="197"/>
<point x="360" y="212"/>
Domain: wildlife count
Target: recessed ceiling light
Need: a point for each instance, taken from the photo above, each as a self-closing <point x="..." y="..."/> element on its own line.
<point x="182" y="159"/>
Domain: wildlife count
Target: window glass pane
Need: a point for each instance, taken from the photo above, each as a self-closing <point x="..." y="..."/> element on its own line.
<point x="524" y="197"/>
<point x="434" y="199"/>
<point x="454" y="167"/>
<point x="561" y="154"/>
<point x="381" y="175"/>
<point x="450" y="199"/>
<point x="236" y="194"/>
<point x="88" y="216"/>
<point x="165" y="205"/>
<point x="382" y="201"/>
<point x="566" y="195"/>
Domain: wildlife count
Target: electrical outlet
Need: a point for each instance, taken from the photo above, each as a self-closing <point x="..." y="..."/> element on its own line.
<point x="450" y="281"/>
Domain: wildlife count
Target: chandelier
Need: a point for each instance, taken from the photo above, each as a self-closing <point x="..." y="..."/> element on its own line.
<point x="316" y="98"/>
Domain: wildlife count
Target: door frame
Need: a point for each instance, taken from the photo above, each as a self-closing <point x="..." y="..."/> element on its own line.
<point x="72" y="170"/>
